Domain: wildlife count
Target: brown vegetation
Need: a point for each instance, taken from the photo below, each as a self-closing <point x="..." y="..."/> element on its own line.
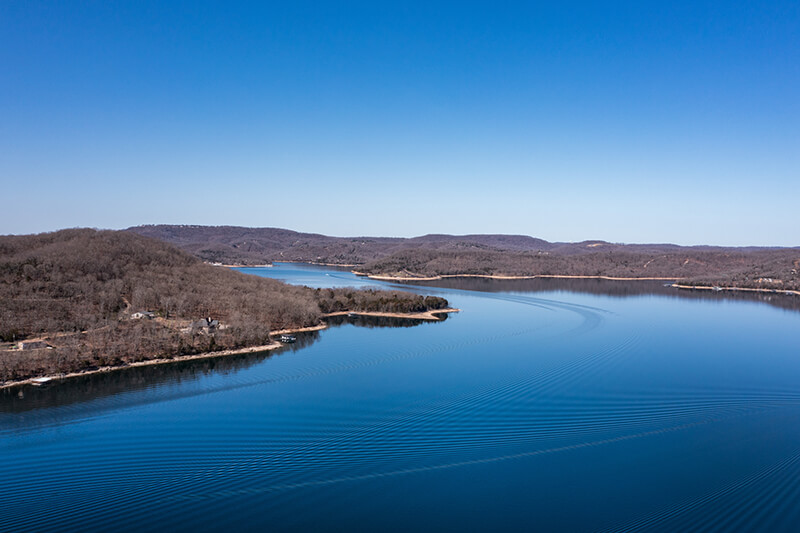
<point x="768" y="269"/>
<point x="77" y="289"/>
<point x="506" y="255"/>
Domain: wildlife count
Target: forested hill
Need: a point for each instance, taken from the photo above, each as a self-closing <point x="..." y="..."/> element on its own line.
<point x="504" y="255"/>
<point x="763" y="269"/>
<point x="250" y="246"/>
<point x="76" y="290"/>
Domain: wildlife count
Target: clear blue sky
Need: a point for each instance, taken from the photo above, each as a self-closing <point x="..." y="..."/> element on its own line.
<point x="625" y="121"/>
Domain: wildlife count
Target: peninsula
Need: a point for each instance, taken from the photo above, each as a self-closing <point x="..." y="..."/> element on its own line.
<point x="82" y="300"/>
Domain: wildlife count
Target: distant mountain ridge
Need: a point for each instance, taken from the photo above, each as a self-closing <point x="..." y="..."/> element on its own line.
<point x="242" y="245"/>
<point x="435" y="255"/>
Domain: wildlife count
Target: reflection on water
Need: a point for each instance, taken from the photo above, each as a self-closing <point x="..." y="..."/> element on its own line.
<point x="366" y="321"/>
<point x="126" y="380"/>
<point x="615" y="288"/>
<point x="99" y="385"/>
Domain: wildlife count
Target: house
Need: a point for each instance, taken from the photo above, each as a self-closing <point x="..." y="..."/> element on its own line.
<point x="143" y="314"/>
<point x="206" y="324"/>
<point x="33" y="345"/>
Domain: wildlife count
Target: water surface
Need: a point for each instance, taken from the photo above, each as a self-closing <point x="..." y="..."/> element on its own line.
<point x="555" y="406"/>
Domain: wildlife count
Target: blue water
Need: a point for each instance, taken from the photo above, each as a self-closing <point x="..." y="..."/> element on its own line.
<point x="547" y="409"/>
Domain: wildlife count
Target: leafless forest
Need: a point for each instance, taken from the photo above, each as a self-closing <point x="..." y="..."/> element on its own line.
<point x="515" y="255"/>
<point x="771" y="269"/>
<point x="76" y="290"/>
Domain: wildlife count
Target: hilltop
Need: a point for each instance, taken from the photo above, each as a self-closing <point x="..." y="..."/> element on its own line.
<point x="491" y="255"/>
<point x="250" y="246"/>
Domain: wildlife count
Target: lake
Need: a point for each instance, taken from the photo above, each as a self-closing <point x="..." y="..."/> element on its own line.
<point x="545" y="405"/>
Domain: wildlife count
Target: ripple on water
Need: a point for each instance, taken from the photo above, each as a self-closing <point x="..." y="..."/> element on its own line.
<point x="552" y="378"/>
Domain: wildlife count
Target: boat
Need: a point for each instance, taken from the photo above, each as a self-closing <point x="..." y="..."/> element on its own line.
<point x="41" y="381"/>
<point x="288" y="338"/>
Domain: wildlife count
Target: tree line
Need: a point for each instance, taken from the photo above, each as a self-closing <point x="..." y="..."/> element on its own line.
<point x="771" y="269"/>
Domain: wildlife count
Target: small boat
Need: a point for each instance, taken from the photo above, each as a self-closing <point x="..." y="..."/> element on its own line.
<point x="716" y="289"/>
<point x="288" y="338"/>
<point x="40" y="381"/>
<point x="352" y="315"/>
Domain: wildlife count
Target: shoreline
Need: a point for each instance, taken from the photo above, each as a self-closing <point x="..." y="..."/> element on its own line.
<point x="343" y="265"/>
<point x="384" y="277"/>
<point x="381" y="277"/>
<point x="745" y="289"/>
<point x="149" y="362"/>
<point x="243" y="266"/>
<point x="426" y="315"/>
